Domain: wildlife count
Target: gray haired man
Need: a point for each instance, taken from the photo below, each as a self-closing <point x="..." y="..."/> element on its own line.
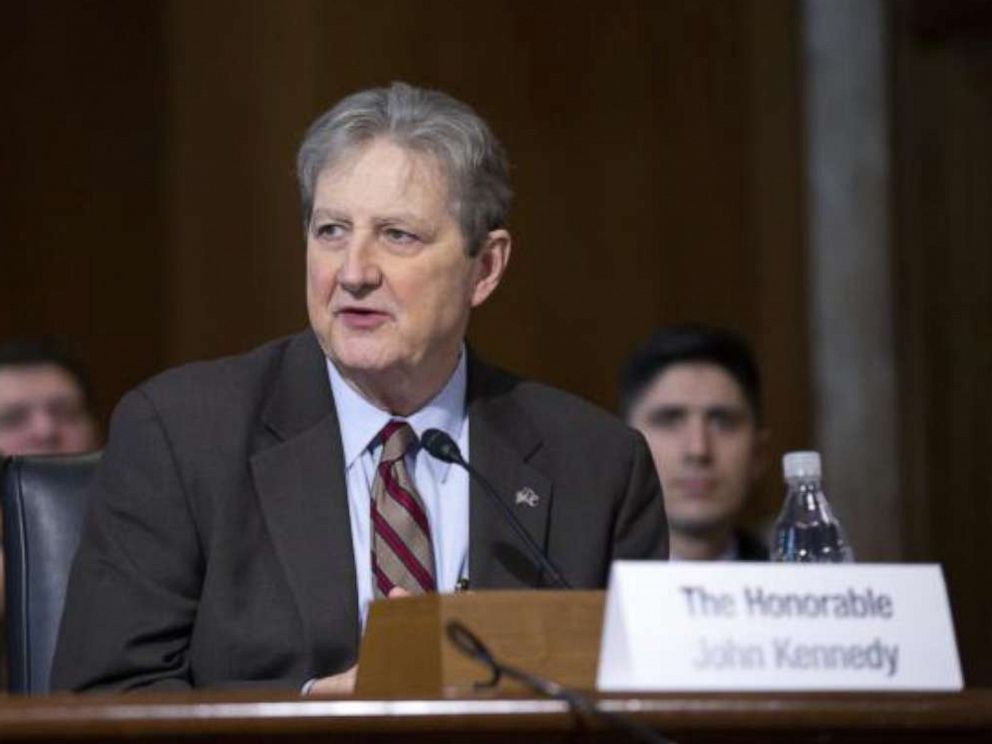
<point x="247" y="510"/>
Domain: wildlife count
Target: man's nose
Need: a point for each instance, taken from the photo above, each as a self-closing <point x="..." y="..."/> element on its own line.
<point x="43" y="431"/>
<point x="359" y="272"/>
<point x="697" y="440"/>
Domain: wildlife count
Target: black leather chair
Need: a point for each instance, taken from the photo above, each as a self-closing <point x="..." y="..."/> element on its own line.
<point x="44" y="503"/>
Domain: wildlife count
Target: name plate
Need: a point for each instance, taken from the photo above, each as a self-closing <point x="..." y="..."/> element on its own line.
<point x="776" y="626"/>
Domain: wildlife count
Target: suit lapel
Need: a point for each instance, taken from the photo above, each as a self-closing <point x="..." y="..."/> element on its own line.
<point x="502" y="445"/>
<point x="301" y="486"/>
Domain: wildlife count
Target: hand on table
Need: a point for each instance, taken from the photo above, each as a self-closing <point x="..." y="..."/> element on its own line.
<point x="344" y="682"/>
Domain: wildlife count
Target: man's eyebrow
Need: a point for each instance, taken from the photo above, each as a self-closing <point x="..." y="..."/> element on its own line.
<point x="683" y="409"/>
<point x="730" y="413"/>
<point x="667" y="409"/>
<point x="726" y="408"/>
<point x="407" y="218"/>
<point x="386" y="218"/>
<point x="329" y="213"/>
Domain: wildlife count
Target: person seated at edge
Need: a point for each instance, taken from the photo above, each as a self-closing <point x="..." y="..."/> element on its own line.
<point x="695" y="394"/>
<point x="240" y="523"/>
<point x="45" y="400"/>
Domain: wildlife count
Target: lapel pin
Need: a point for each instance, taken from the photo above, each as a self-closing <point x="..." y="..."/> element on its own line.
<point x="527" y="496"/>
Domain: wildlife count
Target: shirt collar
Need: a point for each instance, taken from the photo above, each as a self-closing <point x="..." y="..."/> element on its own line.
<point x="360" y="420"/>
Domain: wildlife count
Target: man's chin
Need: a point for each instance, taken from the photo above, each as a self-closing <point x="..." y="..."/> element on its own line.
<point x="700" y="527"/>
<point x="361" y="360"/>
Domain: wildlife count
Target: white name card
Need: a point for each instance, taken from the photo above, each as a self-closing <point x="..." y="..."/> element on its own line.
<point x="776" y="626"/>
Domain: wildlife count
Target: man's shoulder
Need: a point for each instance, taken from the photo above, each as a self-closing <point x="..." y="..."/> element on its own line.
<point x="549" y="408"/>
<point x="549" y="402"/>
<point x="225" y="380"/>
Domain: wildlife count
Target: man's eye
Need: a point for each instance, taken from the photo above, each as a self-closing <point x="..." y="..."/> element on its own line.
<point x="66" y="411"/>
<point x="726" y="420"/>
<point x="395" y="235"/>
<point x="328" y="230"/>
<point x="666" y="419"/>
<point x="13" y="418"/>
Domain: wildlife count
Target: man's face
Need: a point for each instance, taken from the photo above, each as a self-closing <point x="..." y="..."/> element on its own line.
<point x="705" y="444"/>
<point x="42" y="412"/>
<point x="389" y="281"/>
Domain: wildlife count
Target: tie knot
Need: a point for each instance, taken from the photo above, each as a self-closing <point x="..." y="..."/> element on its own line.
<point x="397" y="438"/>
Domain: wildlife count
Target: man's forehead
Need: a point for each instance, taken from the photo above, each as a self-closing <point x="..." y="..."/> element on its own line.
<point x="408" y="172"/>
<point x="22" y="381"/>
<point x="696" y="385"/>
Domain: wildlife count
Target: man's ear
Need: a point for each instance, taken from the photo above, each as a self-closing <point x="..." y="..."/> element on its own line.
<point x="490" y="263"/>
<point x="761" y="453"/>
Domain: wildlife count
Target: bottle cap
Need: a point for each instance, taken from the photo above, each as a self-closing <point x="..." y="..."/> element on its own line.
<point x="801" y="464"/>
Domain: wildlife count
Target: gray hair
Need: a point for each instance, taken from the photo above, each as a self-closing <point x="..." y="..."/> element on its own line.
<point x="425" y="121"/>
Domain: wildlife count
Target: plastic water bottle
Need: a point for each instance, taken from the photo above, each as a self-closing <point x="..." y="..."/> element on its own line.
<point x="806" y="530"/>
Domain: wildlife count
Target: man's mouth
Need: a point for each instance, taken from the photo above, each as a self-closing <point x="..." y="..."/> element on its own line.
<point x="695" y="486"/>
<point x="361" y="318"/>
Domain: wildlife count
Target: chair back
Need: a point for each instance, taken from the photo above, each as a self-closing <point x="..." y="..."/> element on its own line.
<point x="44" y="504"/>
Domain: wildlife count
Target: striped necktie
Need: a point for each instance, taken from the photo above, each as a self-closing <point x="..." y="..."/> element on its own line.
<point x="402" y="555"/>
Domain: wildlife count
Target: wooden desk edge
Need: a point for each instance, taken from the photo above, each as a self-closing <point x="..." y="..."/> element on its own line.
<point x="85" y="716"/>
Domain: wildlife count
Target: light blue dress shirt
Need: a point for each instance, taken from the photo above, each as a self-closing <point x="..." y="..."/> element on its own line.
<point x="443" y="488"/>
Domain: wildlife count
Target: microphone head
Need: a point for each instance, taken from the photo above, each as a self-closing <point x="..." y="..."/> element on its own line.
<point x="438" y="444"/>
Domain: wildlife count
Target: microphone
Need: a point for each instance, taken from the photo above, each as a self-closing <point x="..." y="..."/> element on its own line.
<point x="439" y="445"/>
<point x="469" y="644"/>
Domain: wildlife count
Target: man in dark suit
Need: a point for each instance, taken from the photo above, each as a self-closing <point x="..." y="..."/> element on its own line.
<point x="247" y="510"/>
<point x="695" y="394"/>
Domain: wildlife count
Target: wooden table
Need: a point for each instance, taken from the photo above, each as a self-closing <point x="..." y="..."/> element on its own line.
<point x="251" y="717"/>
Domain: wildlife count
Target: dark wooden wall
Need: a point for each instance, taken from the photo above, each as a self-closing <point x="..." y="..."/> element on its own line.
<point x="84" y="243"/>
<point x="151" y="212"/>
<point x="148" y="208"/>
<point x="942" y="127"/>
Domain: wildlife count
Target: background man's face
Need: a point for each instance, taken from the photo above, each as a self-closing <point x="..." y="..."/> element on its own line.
<point x="705" y="444"/>
<point x="42" y="412"/>
<point x="389" y="282"/>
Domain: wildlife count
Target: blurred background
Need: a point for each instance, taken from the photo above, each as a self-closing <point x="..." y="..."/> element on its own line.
<point x="816" y="175"/>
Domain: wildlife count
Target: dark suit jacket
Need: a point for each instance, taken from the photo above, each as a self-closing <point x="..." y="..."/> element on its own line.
<point x="218" y="549"/>
<point x="750" y="548"/>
